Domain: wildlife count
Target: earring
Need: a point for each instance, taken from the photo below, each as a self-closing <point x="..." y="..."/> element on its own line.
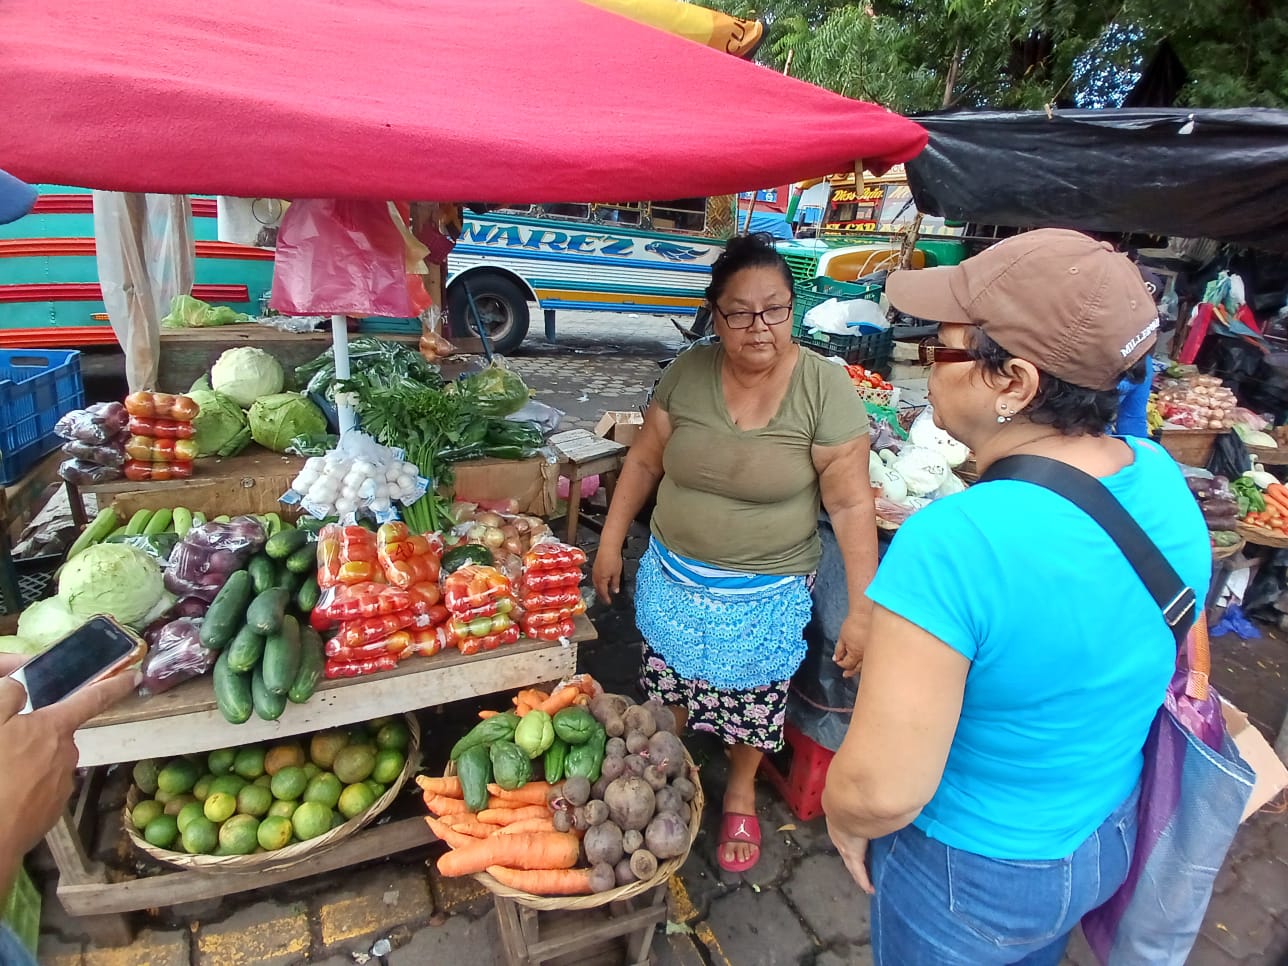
<point x="1003" y="417"/>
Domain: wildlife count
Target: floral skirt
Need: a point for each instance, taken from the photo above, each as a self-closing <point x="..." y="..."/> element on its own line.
<point x="738" y="716"/>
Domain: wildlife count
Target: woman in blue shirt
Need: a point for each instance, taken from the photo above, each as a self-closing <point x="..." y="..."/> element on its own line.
<point x="1015" y="661"/>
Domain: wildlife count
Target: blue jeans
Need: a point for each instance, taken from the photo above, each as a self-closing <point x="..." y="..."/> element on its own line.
<point x="12" y="952"/>
<point x="940" y="906"/>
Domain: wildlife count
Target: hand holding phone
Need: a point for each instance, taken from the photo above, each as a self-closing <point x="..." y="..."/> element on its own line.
<point x="98" y="649"/>
<point x="38" y="755"/>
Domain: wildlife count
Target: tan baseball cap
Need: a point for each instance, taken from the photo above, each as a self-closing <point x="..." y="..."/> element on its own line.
<point x="1057" y="298"/>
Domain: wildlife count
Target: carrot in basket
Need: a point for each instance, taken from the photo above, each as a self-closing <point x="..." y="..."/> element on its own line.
<point x="532" y="697"/>
<point x="508" y="816"/>
<point x="456" y="818"/>
<point x="521" y="708"/>
<point x="563" y="698"/>
<point x="442" y="805"/>
<point x="476" y="829"/>
<point x="445" y="833"/>
<point x="448" y="787"/>
<point x="533" y="793"/>
<point x="527" y="825"/>
<point x="544" y="882"/>
<point x="535" y="850"/>
<point x="486" y="713"/>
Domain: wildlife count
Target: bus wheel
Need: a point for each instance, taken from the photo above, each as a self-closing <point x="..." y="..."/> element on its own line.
<point x="502" y="307"/>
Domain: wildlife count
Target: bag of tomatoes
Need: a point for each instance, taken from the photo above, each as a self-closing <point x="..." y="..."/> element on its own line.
<point x="347" y="555"/>
<point x="476" y="591"/>
<point x="408" y="558"/>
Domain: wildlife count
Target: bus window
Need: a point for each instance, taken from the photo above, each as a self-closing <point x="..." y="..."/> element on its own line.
<point x="685" y="214"/>
<point x="625" y="213"/>
<point x="566" y="210"/>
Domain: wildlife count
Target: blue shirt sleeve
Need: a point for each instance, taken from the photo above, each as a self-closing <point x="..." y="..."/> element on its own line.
<point x="1133" y="401"/>
<point x="935" y="575"/>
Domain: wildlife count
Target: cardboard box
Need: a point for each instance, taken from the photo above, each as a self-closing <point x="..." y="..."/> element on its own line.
<point x="621" y="427"/>
<point x="1272" y="776"/>
<point x="532" y="482"/>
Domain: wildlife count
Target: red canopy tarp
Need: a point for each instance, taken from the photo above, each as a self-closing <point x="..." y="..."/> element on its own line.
<point x="520" y="102"/>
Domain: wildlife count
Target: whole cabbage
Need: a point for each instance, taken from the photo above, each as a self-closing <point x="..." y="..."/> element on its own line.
<point x="245" y="373"/>
<point x="13" y="644"/>
<point x="111" y="578"/>
<point x="220" y="424"/>
<point x="276" y="420"/>
<point x="47" y="621"/>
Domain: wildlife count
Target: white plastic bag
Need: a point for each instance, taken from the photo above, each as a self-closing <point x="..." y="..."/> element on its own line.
<point x="844" y="318"/>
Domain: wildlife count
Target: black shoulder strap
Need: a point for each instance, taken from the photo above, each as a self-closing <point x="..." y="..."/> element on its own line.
<point x="1174" y="598"/>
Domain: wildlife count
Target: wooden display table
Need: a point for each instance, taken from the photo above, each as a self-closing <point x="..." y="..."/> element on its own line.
<point x="253" y="481"/>
<point x="187" y="353"/>
<point x="186" y="720"/>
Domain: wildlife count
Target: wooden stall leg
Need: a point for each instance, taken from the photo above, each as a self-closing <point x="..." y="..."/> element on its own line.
<point x="512" y="941"/>
<point x="638" y="945"/>
<point x="75" y="868"/>
<point x="574" y="506"/>
<point x="77" y="505"/>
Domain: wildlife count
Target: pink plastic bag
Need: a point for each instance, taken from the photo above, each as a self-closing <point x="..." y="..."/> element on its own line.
<point x="340" y="258"/>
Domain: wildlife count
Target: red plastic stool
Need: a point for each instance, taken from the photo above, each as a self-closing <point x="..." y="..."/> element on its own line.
<point x="798" y="773"/>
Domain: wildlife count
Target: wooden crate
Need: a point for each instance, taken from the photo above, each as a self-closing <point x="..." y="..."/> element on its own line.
<point x="1193" y="447"/>
<point x="619" y="934"/>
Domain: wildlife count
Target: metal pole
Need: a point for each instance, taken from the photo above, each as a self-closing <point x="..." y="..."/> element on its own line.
<point x="340" y="346"/>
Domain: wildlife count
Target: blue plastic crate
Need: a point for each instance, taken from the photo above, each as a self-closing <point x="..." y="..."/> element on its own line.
<point x="37" y="388"/>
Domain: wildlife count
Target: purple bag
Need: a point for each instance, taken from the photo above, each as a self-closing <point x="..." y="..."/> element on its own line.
<point x="1194" y="787"/>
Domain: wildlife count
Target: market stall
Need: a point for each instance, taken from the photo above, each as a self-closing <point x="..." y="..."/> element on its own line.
<point x="337" y="123"/>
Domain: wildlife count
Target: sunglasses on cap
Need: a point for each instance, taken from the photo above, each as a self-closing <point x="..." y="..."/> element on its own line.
<point x="931" y="351"/>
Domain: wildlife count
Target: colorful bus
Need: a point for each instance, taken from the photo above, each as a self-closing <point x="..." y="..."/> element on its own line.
<point x="649" y="257"/>
<point x="49" y="289"/>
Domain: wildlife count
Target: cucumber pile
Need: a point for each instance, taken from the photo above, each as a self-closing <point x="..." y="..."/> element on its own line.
<point x="259" y="622"/>
<point x="108" y="525"/>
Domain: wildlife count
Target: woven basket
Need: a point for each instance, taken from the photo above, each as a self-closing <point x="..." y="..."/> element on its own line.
<point x="1261" y="536"/>
<point x="879" y="397"/>
<point x="664" y="869"/>
<point x="1224" y="553"/>
<point x="291" y="854"/>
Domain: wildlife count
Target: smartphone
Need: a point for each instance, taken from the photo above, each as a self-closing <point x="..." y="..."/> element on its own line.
<point x="96" y="650"/>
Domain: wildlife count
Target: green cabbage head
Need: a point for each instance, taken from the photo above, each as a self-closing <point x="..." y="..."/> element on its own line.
<point x="220" y="424"/>
<point x="276" y="420"/>
<point x="245" y="373"/>
<point x="111" y="578"/>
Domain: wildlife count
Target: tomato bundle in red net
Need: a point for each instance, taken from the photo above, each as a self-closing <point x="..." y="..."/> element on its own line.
<point x="481" y="602"/>
<point x="550" y="600"/>
<point x="378" y="621"/>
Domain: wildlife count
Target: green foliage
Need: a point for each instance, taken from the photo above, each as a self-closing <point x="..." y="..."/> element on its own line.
<point x="914" y="55"/>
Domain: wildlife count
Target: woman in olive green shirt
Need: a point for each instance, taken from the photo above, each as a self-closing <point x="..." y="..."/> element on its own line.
<point x="742" y="442"/>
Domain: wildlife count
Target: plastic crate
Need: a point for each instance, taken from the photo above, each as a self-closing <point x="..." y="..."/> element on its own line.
<point x="798" y="773"/>
<point x="22" y="911"/>
<point x="37" y="388"/>
<point x="871" y="349"/>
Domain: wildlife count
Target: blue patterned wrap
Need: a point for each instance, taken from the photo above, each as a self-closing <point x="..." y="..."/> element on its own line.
<point x="730" y="629"/>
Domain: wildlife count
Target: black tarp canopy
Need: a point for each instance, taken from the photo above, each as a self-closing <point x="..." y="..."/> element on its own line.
<point x="1219" y="174"/>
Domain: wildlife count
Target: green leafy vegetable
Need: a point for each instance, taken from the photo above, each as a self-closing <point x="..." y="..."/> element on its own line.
<point x="220" y="424"/>
<point x="277" y="419"/>
<point x="245" y="373"/>
<point x="111" y="578"/>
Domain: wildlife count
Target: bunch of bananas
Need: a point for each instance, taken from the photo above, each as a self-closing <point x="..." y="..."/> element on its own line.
<point x="1153" y="416"/>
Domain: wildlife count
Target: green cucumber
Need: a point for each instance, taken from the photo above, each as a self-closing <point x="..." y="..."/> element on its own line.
<point x="285" y="542"/>
<point x="304" y="560"/>
<point x="283" y="653"/>
<point x="232" y="692"/>
<point x="288" y="581"/>
<point x="466" y="555"/>
<point x="98" y="530"/>
<point x="159" y="523"/>
<point x="309" y="594"/>
<point x="245" y="650"/>
<point x="182" y="520"/>
<point x="227" y="611"/>
<point x="263" y="574"/>
<point x="222" y="518"/>
<point x="272" y="524"/>
<point x="198" y="518"/>
<point x="137" y="522"/>
<point x="264" y="616"/>
<point x="268" y="704"/>
<point x="312" y="667"/>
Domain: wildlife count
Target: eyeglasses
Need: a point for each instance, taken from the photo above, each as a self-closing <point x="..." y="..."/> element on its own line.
<point x="931" y="351"/>
<point x="774" y="315"/>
